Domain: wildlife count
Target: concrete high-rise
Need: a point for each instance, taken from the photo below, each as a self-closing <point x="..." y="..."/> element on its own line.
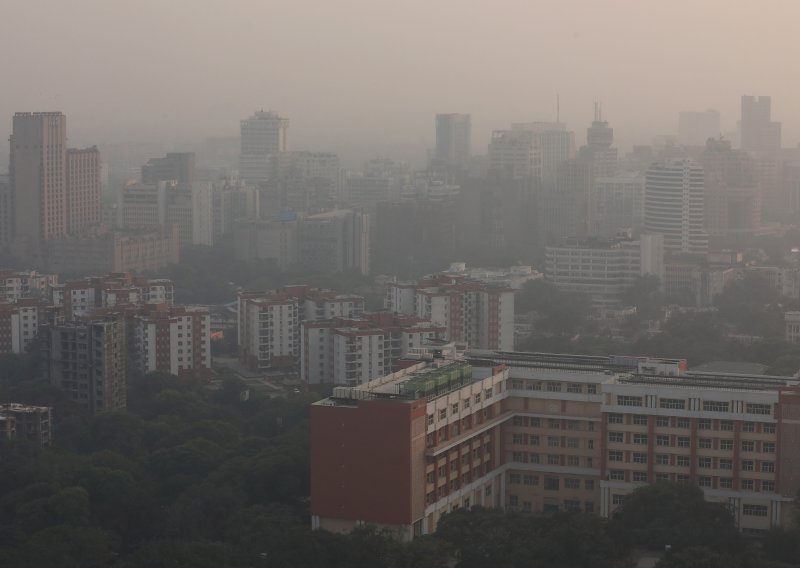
<point x="453" y="139"/>
<point x="556" y="142"/>
<point x="84" y="199"/>
<point x="598" y="149"/>
<point x="674" y="205"/>
<point x="175" y="166"/>
<point x="515" y="154"/>
<point x="759" y="132"/>
<point x="37" y="169"/>
<point x="263" y="135"/>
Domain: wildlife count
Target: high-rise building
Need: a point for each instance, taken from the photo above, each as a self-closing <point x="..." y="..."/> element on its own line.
<point x="515" y="154"/>
<point x="38" y="170"/>
<point x="759" y="132"/>
<point x="19" y="323"/>
<point x="598" y="149"/>
<point x="674" y="205"/>
<point x="618" y="203"/>
<point x="335" y="241"/>
<point x="453" y="139"/>
<point x="175" y="166"/>
<point x="556" y="142"/>
<point x="695" y="127"/>
<point x="263" y="135"/>
<point x="541" y="432"/>
<point x="472" y="312"/>
<point x="84" y="198"/>
<point x="86" y="359"/>
<point x="274" y="239"/>
<point x="567" y="208"/>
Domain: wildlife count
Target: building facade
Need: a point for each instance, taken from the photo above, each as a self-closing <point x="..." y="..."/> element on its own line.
<point x="24" y="422"/>
<point x="263" y="135"/>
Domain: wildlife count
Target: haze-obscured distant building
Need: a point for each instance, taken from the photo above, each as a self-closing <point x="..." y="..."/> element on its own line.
<point x="618" y="203"/>
<point x="453" y="139"/>
<point x="274" y="239"/>
<point x="335" y="241"/>
<point x="695" y="127"/>
<point x="759" y="132"/>
<point x="263" y="135"/>
<point x="175" y="166"/>
<point x="556" y="142"/>
<point x="515" y="154"/>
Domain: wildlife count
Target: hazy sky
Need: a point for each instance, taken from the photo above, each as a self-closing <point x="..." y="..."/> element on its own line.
<point x="365" y="77"/>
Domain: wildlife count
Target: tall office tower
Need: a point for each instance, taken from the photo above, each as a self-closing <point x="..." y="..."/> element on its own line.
<point x="335" y="241"/>
<point x="759" y="132"/>
<point x="262" y="135"/>
<point x="567" y="203"/>
<point x="87" y="360"/>
<point x="556" y="142"/>
<point x="598" y="150"/>
<point x="453" y="139"/>
<point x="618" y="203"/>
<point x="37" y="168"/>
<point x="515" y="154"/>
<point x="175" y="166"/>
<point x="84" y="199"/>
<point x="6" y="213"/>
<point x="732" y="192"/>
<point x="674" y="205"/>
<point x="695" y="127"/>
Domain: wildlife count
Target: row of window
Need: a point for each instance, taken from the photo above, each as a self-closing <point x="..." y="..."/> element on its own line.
<point x="552" y="441"/>
<point x="685" y="423"/>
<point x="465" y="404"/>
<point x="703" y="462"/>
<point x="553" y="423"/>
<point x="553" y="386"/>
<point x="702" y="481"/>
<point x="663" y="440"/>
<point x="533" y="481"/>
<point x="552" y="459"/>
<point x="708" y="405"/>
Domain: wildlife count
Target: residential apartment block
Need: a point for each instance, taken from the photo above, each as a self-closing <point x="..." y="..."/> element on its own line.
<point x="352" y="351"/>
<point x="24" y="422"/>
<point x="16" y="284"/>
<point x="539" y="432"/>
<point x="19" y="323"/>
<point x="472" y="312"/>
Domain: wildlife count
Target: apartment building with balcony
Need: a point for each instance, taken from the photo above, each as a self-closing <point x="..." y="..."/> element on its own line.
<point x="561" y="433"/>
<point x="19" y="323"/>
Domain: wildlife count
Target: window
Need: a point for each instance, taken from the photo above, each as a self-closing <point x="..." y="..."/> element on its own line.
<point x="430" y="419"/>
<point x="684" y="442"/>
<point x="477" y="398"/>
<point x="683" y="423"/>
<point x="615" y="437"/>
<point x="534" y="386"/>
<point x="748" y="465"/>
<point x="704" y="481"/>
<point x="662" y="459"/>
<point x="551" y="484"/>
<point x="513" y="500"/>
<point x="682" y="478"/>
<point x="514" y="479"/>
<point x="673" y="403"/>
<point x="570" y="483"/>
<point x="616" y="475"/>
<point x="640" y="419"/>
<point x="662" y="421"/>
<point x="488" y="491"/>
<point x="623" y="400"/>
<point x="574" y="387"/>
<point x="640" y="439"/>
<point x="615" y="419"/>
<point x="726" y="444"/>
<point x="725" y="483"/>
<point x="553" y="387"/>
<point x="454" y="409"/>
<point x="517" y="456"/>
<point x="589" y="485"/>
<point x="533" y="458"/>
<point x="553" y="423"/>
<point x="725" y="464"/>
<point x="640" y="476"/>
<point x="704" y="443"/>
<point x="573" y="461"/>
<point x="639" y="457"/>
<point x="465" y="404"/>
<point x="768" y="467"/>
<point x="682" y="461"/>
<point x="572" y="505"/>
<point x="704" y="462"/>
<point x="704" y="424"/>
<point x="592" y="389"/>
<point x="573" y="443"/>
<point x="590" y="444"/>
<point x="768" y="428"/>
<point x="531" y="480"/>
<point x="748" y="446"/>
<point x="590" y="426"/>
<point x="753" y="408"/>
<point x="747" y="484"/>
<point x="768" y="447"/>
<point x="533" y="440"/>
<point x="618" y="499"/>
<point x="516" y="438"/>
<point x="614" y="456"/>
<point x="768" y="486"/>
<point x="662" y="477"/>
<point x="553" y="442"/>
<point x="715" y="406"/>
<point x="662" y="441"/>
<point x="553" y="459"/>
<point x="488" y="393"/>
<point x="726" y="425"/>
<point x="754" y="510"/>
<point x="573" y="425"/>
<point x="748" y="426"/>
<point x="443" y="414"/>
<point x="536" y="422"/>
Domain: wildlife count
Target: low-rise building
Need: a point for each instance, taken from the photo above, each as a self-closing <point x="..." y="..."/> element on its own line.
<point x="25" y="422"/>
<point x="18" y="284"/>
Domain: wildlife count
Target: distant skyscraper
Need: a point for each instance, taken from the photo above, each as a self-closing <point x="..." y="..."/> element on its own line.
<point x="557" y="143"/>
<point x="37" y="169"/>
<point x="674" y="206"/>
<point x="453" y="139"/>
<point x="598" y="150"/>
<point x="759" y="133"/>
<point x="695" y="127"/>
<point x="262" y="135"/>
<point x="175" y="166"/>
<point x="515" y="154"/>
<point x="84" y="194"/>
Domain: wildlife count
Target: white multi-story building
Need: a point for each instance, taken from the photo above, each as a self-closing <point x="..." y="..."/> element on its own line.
<point x="263" y="135"/>
<point x="603" y="269"/>
<point x="81" y="297"/>
<point x="514" y="277"/>
<point x="174" y="340"/>
<point x="15" y="285"/>
<point x="674" y="206"/>
<point x="20" y="321"/>
<point x="472" y="312"/>
<point x="618" y="203"/>
<point x="515" y="154"/>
